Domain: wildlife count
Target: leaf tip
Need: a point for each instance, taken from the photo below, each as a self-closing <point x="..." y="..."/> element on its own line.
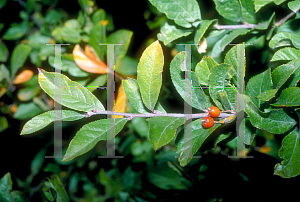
<point x="39" y="69"/>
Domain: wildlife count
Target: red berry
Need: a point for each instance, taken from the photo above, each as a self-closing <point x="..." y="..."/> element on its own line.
<point x="214" y="111"/>
<point x="207" y="122"/>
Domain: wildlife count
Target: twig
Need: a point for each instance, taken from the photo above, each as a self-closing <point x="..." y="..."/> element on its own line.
<point x="130" y="115"/>
<point x="251" y="26"/>
<point x="119" y="76"/>
<point x="235" y="26"/>
<point x="280" y="22"/>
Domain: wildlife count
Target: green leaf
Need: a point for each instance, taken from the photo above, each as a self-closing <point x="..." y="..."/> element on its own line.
<point x="220" y="138"/>
<point x="217" y="50"/>
<point x="268" y="95"/>
<point x="74" y="95"/>
<point x="132" y="92"/>
<point x="4" y="73"/>
<point x="204" y="25"/>
<point x="276" y="121"/>
<point x="18" y="58"/>
<point x="37" y="40"/>
<point x="98" y="36"/>
<point x="120" y="36"/>
<point x="6" y="193"/>
<point x="290" y="26"/>
<point x="169" y="33"/>
<point x="26" y="111"/>
<point x="98" y="16"/>
<point x="281" y="74"/>
<point x="3" y="123"/>
<point x="149" y="74"/>
<point x="16" y="31"/>
<point x="126" y="65"/>
<point x="37" y="162"/>
<point x="27" y="93"/>
<point x="90" y="134"/>
<point x="1" y="26"/>
<point x="5" y="187"/>
<point x="286" y="54"/>
<point x="199" y="135"/>
<point x="259" y="84"/>
<point x="220" y="88"/>
<point x="295" y="77"/>
<point x="286" y="37"/>
<point x="2" y="3"/>
<point x="166" y="178"/>
<point x="3" y="52"/>
<point x="232" y="35"/>
<point x="140" y="125"/>
<point x="53" y="16"/>
<point x="265" y="24"/>
<point x="278" y="2"/>
<point x="162" y="129"/>
<point x="202" y="71"/>
<point x="67" y="34"/>
<point x="99" y="81"/>
<point x="231" y="58"/>
<point x="199" y="99"/>
<point x="261" y="3"/>
<point x="289" y="97"/>
<point x="41" y="121"/>
<point x="247" y="132"/>
<point x="290" y="153"/>
<point x="55" y="183"/>
<point x="294" y="5"/>
<point x="237" y="11"/>
<point x="182" y="12"/>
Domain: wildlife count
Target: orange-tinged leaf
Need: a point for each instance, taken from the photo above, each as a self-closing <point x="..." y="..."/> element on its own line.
<point x="23" y="76"/>
<point x="264" y="149"/>
<point x="88" y="61"/>
<point x="2" y="91"/>
<point x="13" y="108"/>
<point x="90" y="53"/>
<point x="104" y="22"/>
<point x="121" y="102"/>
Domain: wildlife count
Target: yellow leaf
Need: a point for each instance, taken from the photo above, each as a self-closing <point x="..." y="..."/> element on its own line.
<point x="88" y="60"/>
<point x="23" y="76"/>
<point x="121" y="102"/>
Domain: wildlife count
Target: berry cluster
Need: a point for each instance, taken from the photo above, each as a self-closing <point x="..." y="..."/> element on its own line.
<point x="214" y="112"/>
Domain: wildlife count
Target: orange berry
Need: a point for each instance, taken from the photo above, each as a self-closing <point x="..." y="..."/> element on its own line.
<point x="214" y="111"/>
<point x="207" y="122"/>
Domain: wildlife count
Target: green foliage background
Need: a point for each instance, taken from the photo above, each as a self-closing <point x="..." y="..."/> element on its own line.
<point x="150" y="170"/>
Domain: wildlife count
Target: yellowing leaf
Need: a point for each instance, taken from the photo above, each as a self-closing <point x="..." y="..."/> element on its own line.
<point x="121" y="102"/>
<point x="243" y="153"/>
<point x="88" y="61"/>
<point x="202" y="46"/>
<point x="23" y="76"/>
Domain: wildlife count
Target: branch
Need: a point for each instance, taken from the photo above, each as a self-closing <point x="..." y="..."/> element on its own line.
<point x="130" y="115"/>
<point x="280" y="22"/>
<point x="235" y="26"/>
<point x="251" y="26"/>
